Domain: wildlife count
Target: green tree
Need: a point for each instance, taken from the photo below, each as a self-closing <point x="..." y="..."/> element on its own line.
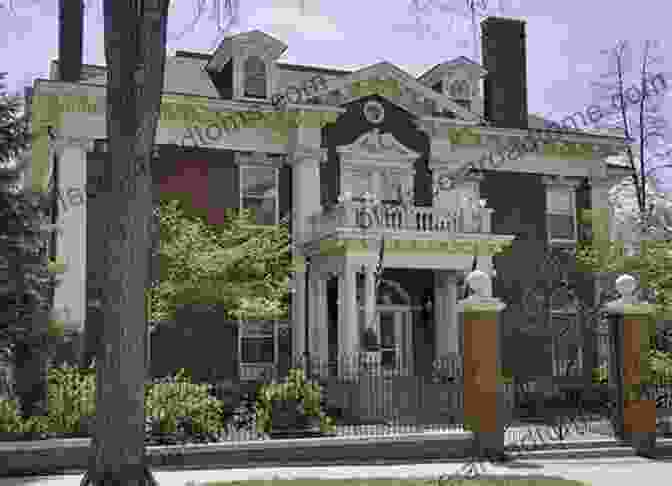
<point x="14" y="133"/>
<point x="236" y="266"/>
<point x="26" y="282"/>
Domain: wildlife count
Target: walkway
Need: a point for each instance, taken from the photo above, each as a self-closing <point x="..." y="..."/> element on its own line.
<point x="597" y="472"/>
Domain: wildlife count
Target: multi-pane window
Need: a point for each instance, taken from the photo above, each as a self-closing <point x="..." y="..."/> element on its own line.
<point x="560" y="213"/>
<point x="257" y="342"/>
<point x="460" y="92"/>
<point x="259" y="192"/>
<point x="258" y="349"/>
<point x="254" y="70"/>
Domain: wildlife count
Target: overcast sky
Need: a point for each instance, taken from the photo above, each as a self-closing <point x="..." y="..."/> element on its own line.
<point x="564" y="38"/>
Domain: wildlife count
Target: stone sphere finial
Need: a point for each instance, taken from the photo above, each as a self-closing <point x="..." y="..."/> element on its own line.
<point x="626" y="286"/>
<point x="479" y="282"/>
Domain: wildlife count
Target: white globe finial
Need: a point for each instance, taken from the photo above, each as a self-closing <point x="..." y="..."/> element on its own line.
<point x="479" y="281"/>
<point x="626" y="286"/>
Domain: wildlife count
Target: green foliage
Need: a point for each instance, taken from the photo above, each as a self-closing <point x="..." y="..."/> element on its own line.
<point x="661" y="367"/>
<point x="652" y="266"/>
<point x="14" y="133"/>
<point x="600" y="375"/>
<point x="176" y="409"/>
<point x="11" y="420"/>
<point x="241" y="267"/>
<point x="296" y="388"/>
<point x="72" y="395"/>
<point x="183" y="410"/>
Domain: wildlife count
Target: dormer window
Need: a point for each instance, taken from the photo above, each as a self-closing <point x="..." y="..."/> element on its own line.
<point x="254" y="78"/>
<point x="459" y="89"/>
<point x="460" y="92"/>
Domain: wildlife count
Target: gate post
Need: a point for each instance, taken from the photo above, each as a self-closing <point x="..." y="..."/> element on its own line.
<point x="483" y="385"/>
<point x="638" y="420"/>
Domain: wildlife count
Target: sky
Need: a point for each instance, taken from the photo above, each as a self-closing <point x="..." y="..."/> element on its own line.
<point x="566" y="40"/>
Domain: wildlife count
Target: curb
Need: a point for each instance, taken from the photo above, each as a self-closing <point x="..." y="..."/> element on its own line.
<point x="58" y="456"/>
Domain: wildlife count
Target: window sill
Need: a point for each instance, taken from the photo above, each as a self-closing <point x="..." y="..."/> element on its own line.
<point x="562" y="243"/>
<point x="247" y="99"/>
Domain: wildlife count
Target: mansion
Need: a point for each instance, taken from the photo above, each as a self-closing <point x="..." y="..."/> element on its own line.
<point x="360" y="168"/>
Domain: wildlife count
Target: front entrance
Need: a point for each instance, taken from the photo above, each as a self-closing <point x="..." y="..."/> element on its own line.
<point x="396" y="339"/>
<point x="394" y="326"/>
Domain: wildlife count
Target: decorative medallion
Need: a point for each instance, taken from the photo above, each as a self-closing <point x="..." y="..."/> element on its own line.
<point x="374" y="112"/>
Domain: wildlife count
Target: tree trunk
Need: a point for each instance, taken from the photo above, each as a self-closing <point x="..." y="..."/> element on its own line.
<point x="135" y="40"/>
<point x="30" y="373"/>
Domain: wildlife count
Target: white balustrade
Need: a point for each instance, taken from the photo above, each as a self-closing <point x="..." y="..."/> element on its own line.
<point x="354" y="214"/>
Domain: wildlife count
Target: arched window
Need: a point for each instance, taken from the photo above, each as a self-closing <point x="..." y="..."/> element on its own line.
<point x="254" y="82"/>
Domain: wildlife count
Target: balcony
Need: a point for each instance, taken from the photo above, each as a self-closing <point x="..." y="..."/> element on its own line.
<point x="363" y="217"/>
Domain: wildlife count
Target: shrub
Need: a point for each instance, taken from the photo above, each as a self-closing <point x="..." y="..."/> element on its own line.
<point x="600" y="375"/>
<point x="178" y="410"/>
<point x="72" y="400"/>
<point x="296" y="388"/>
<point x="11" y="420"/>
<point x="660" y="364"/>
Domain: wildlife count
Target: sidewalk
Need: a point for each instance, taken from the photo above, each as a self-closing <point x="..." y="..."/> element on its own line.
<point x="597" y="472"/>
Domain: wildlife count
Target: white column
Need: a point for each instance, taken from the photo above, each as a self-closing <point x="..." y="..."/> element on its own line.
<point x="313" y="321"/>
<point x="376" y="184"/>
<point x="321" y="328"/>
<point x="306" y="201"/>
<point x="369" y="296"/>
<point x="446" y="316"/>
<point x="305" y="189"/>
<point x="348" y="337"/>
<point x="70" y="295"/>
<point x="298" y="316"/>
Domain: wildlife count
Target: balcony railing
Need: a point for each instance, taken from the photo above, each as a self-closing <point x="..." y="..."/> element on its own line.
<point x="360" y="215"/>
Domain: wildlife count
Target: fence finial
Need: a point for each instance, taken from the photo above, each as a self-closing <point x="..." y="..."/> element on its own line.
<point x="626" y="285"/>
<point x="480" y="283"/>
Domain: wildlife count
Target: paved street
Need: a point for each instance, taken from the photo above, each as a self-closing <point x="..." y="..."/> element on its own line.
<point x="598" y="472"/>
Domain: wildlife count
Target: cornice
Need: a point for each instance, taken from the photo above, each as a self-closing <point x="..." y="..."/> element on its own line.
<point x="560" y="181"/>
<point x="261" y="159"/>
<point x="61" y="142"/>
<point x="302" y="152"/>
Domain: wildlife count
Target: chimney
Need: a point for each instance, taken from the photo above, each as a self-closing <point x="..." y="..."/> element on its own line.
<point x="70" y="34"/>
<point x="505" y="85"/>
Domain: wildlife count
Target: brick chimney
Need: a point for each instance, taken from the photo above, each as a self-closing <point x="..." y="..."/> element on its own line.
<point x="70" y="36"/>
<point x="505" y="85"/>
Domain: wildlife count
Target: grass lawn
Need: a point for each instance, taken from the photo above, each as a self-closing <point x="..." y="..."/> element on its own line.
<point x="501" y="481"/>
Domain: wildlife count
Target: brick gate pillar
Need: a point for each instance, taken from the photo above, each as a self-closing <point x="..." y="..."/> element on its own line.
<point x="638" y="420"/>
<point x="483" y="387"/>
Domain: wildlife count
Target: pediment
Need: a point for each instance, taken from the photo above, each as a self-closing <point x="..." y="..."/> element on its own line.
<point x="393" y="84"/>
<point x="375" y="145"/>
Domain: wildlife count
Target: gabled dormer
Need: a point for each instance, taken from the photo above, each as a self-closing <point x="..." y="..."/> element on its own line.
<point x="459" y="80"/>
<point x="243" y="66"/>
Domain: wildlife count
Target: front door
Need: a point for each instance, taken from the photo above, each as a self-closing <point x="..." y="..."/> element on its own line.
<point x="396" y="338"/>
